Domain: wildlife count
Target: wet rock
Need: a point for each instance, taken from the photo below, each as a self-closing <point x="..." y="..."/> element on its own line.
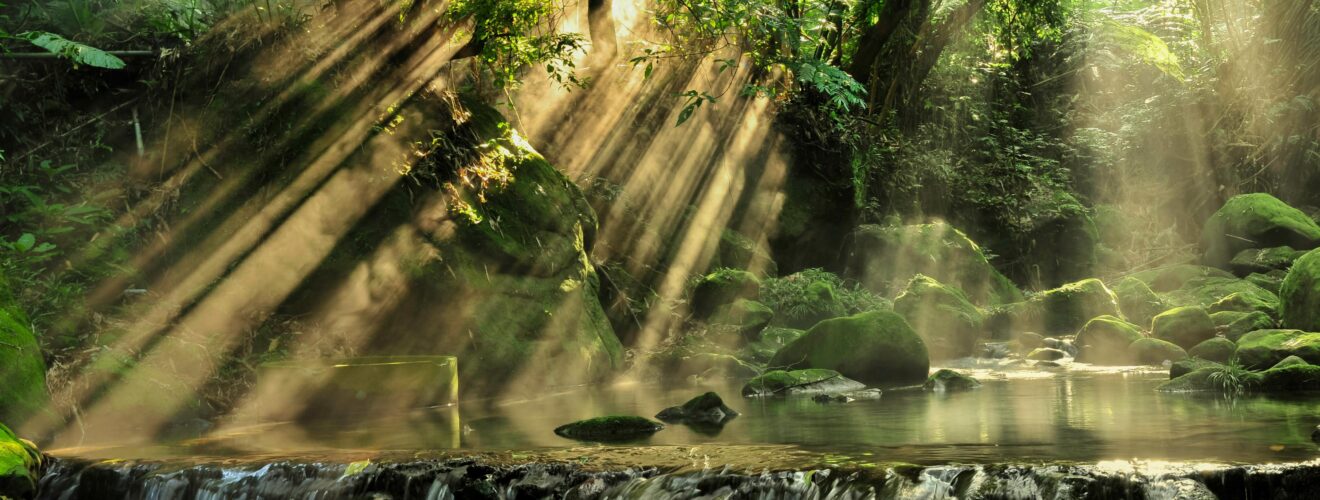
<point x="999" y="350"/>
<point x="1184" y="326"/>
<point x="1030" y="340"/>
<point x="848" y="397"/>
<point x="1047" y="364"/>
<point x="1046" y="354"/>
<point x="1060" y="311"/>
<point x="706" y="409"/>
<point x="19" y="464"/>
<point x="1189" y="365"/>
<point x="769" y="342"/>
<point x="946" y="380"/>
<point x="1064" y="345"/>
<point x="1218" y="349"/>
<point x="799" y="382"/>
<point x="875" y="348"/>
<point x="1155" y="352"/>
<point x="610" y="428"/>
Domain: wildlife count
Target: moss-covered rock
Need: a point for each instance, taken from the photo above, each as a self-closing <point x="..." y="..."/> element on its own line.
<point x="1137" y="301"/>
<point x="1188" y="365"/>
<point x="706" y="409"/>
<point x="749" y="316"/>
<point x="1218" y="349"/>
<point x="22" y="367"/>
<point x="885" y="258"/>
<point x="722" y="287"/>
<point x="1184" y="326"/>
<point x="1271" y="281"/>
<point x="1292" y="378"/>
<point x="1300" y="294"/>
<point x="1207" y="292"/>
<point x="1046" y="354"/>
<point x="1172" y="277"/>
<point x="1264" y="348"/>
<point x="770" y="341"/>
<point x="1243" y="302"/>
<point x="950" y="324"/>
<point x="19" y="465"/>
<point x="1255" y="220"/>
<point x="1235" y="324"/>
<point x="798" y="382"/>
<point x="875" y="348"/>
<point x="610" y="428"/>
<point x="946" y="380"/>
<point x="1290" y="361"/>
<point x="1150" y="351"/>
<point x="1263" y="260"/>
<point x="1060" y="311"/>
<point x="1105" y="339"/>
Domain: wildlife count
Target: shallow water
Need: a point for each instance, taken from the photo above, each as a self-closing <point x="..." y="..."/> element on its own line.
<point x="1075" y="415"/>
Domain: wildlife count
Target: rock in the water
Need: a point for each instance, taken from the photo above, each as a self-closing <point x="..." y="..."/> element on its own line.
<point x="1209" y="292"/>
<point x="1300" y="294"/>
<point x="611" y="428"/>
<point x="1065" y="345"/>
<point x="1295" y="378"/>
<point x="1046" y="354"/>
<point x="796" y="382"/>
<point x="1255" y="220"/>
<point x="949" y="324"/>
<point x="706" y="409"/>
<point x="946" y="380"/>
<point x="848" y="397"/>
<point x="875" y="348"/>
<point x="771" y="340"/>
<point x="1155" y="352"/>
<point x="722" y="287"/>
<point x="749" y="316"/>
<point x="1061" y="311"/>
<point x="1218" y="349"/>
<point x="885" y="257"/>
<point x="1105" y="340"/>
<point x="1290" y="361"/>
<point x="19" y="464"/>
<point x="1235" y="324"/>
<point x="1184" y="326"/>
<point x="1263" y="260"/>
<point x="1030" y="340"/>
<point x="1263" y="349"/>
<point x="1189" y="365"/>
<point x="1138" y="302"/>
<point x="22" y="368"/>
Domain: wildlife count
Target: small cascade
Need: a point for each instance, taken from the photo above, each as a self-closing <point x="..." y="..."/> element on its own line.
<point x="469" y="478"/>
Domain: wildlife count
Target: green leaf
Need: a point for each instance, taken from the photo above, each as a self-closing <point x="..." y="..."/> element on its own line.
<point x="25" y="242"/>
<point x="74" y="51"/>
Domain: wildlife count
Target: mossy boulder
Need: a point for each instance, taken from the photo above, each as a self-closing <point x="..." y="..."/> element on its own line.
<point x="1263" y="260"/>
<point x="1150" y="351"/>
<point x="1105" y="339"/>
<point x="1060" y="311"/>
<point x="875" y="348"/>
<point x="22" y="367"/>
<point x="1289" y="379"/>
<point x="1137" y="301"/>
<point x="1184" y="326"/>
<point x="1290" y="361"/>
<point x="769" y="342"/>
<point x="1262" y="349"/>
<point x="946" y="380"/>
<point x="749" y="316"/>
<point x="1300" y="294"/>
<point x="1188" y="365"/>
<point x="1255" y="220"/>
<point x="885" y="258"/>
<point x="1224" y="294"/>
<point x="1172" y="277"/>
<point x="1218" y="349"/>
<point x="950" y="325"/>
<point x="1235" y="324"/>
<point x="722" y="287"/>
<point x="610" y="428"/>
<point x="1271" y="281"/>
<point x="706" y="409"/>
<point x="19" y="465"/>
<point x="798" y="382"/>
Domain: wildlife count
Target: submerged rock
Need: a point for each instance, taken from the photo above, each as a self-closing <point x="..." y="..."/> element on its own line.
<point x="19" y="464"/>
<point x="798" y="382"/>
<point x="1218" y="349"/>
<point x="1155" y="352"/>
<point x="946" y="380"/>
<point x="706" y="409"/>
<point x="1300" y="294"/>
<point x="875" y="348"/>
<point x="1265" y="348"/>
<point x="949" y="324"/>
<point x="1256" y="220"/>
<point x="1105" y="340"/>
<point x="1184" y="326"/>
<point x="610" y="428"/>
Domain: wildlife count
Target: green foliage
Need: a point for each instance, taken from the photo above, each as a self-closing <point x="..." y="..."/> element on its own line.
<point x="79" y="53"/>
<point x="802" y="295"/>
<point x="1231" y="379"/>
<point x="512" y="35"/>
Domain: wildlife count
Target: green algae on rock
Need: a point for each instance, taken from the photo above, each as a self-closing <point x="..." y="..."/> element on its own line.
<point x="1105" y="339"/>
<point x="874" y="348"/>
<point x="949" y="324"/>
<point x="22" y="366"/>
<point x="1300" y="294"/>
<point x="1184" y="326"/>
<point x="1235" y="324"/>
<point x="1137" y="301"/>
<point x="1150" y="351"/>
<point x="1218" y="349"/>
<point x="749" y="316"/>
<point x="1256" y="220"/>
<point x="1264" y="348"/>
<point x="610" y="428"/>
<point x="19" y="464"/>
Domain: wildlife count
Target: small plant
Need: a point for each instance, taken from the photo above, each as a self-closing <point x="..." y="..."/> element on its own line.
<point x="1231" y="379"/>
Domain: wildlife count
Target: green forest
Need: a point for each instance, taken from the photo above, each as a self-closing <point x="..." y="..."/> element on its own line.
<point x="469" y="248"/>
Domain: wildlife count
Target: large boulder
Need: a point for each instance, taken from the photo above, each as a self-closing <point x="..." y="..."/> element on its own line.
<point x="1061" y="311"/>
<point x="1224" y="294"/>
<point x="1255" y="220"/>
<point x="722" y="287"/>
<point x="1264" y="260"/>
<point x="950" y="324"/>
<point x="1300" y="294"/>
<point x="1172" y="277"/>
<point x="1218" y="349"/>
<point x="22" y="368"/>
<point x="19" y="464"/>
<point x="1139" y="303"/>
<point x="877" y="348"/>
<point x="1263" y="349"/>
<point x="1150" y="351"/>
<point x="1184" y="326"/>
<point x="1105" y="339"/>
<point x="884" y="258"/>
<point x="1235" y="324"/>
<point x="946" y="380"/>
